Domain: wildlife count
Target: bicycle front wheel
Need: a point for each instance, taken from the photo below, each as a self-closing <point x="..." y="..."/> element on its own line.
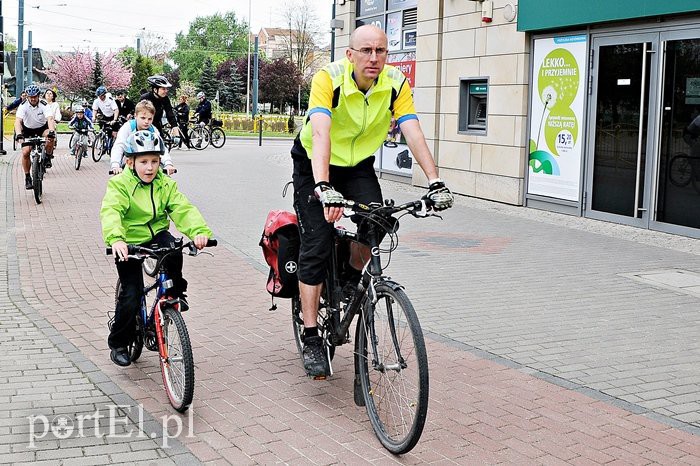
<point x="79" y="151"/>
<point x="393" y="368"/>
<point x="37" y="178"/>
<point x="98" y="148"/>
<point x="178" y="368"/>
<point x="218" y="138"/>
<point x="680" y="171"/>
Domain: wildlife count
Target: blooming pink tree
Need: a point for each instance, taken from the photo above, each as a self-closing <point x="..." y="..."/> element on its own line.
<point x="72" y="74"/>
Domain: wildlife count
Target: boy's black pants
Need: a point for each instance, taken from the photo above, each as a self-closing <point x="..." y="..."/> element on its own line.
<point x="129" y="299"/>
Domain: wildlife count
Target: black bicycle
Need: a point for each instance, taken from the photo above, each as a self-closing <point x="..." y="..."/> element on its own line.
<point x="391" y="364"/>
<point x="103" y="139"/>
<point x="38" y="160"/>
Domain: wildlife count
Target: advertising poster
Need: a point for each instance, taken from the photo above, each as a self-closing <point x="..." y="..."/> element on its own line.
<point x="406" y="62"/>
<point x="557" y="118"/>
<point x="370" y="7"/>
<point x="409" y="39"/>
<point x="375" y="20"/>
<point x="396" y="157"/>
<point x="393" y="30"/>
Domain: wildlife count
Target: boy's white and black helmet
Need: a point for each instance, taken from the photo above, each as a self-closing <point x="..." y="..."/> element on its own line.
<point x="200" y="95"/>
<point x="144" y="143"/>
<point x="78" y="108"/>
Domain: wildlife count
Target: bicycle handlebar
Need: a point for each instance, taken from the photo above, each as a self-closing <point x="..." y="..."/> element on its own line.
<point x="159" y="252"/>
<point x="33" y="141"/>
<point x="111" y="172"/>
<point x="418" y="208"/>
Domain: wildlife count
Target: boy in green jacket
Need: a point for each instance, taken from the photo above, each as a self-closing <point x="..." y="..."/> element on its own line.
<point x="135" y="210"/>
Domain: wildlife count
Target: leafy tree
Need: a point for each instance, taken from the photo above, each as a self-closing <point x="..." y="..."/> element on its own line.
<point x="231" y="86"/>
<point x="218" y="37"/>
<point x="143" y="68"/>
<point x="279" y="82"/>
<point x="10" y="43"/>
<point x="97" y="77"/>
<point x="207" y="81"/>
<point x="173" y="76"/>
<point x="127" y="55"/>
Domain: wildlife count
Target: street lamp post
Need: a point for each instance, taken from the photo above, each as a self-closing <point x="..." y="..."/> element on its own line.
<point x="19" y="66"/>
<point x="247" y="92"/>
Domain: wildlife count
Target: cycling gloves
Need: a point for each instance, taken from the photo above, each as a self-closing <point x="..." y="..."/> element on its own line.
<point x="440" y="195"/>
<point x="328" y="196"/>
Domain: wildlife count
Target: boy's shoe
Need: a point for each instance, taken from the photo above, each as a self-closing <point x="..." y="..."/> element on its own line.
<point x="47" y="161"/>
<point x="184" y="306"/>
<point x="314" y="357"/>
<point x="120" y="357"/>
<point x="28" y="182"/>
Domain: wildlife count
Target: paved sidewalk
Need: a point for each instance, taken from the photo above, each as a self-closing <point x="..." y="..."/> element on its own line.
<point x="47" y="384"/>
<point x="520" y="295"/>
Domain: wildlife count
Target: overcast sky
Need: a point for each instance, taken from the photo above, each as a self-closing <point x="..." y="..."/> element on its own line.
<point x="65" y="25"/>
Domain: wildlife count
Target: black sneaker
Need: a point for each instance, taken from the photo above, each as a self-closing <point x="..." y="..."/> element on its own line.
<point x="314" y="357"/>
<point x="47" y="161"/>
<point x="28" y="182"/>
<point x="120" y="357"/>
<point x="184" y="306"/>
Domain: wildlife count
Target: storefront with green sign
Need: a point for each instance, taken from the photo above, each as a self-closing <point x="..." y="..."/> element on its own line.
<point x="614" y="112"/>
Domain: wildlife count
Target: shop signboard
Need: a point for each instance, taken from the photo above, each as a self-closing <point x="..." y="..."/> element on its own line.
<point x="557" y="117"/>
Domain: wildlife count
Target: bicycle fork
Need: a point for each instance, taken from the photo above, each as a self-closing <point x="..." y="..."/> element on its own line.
<point x="162" y="349"/>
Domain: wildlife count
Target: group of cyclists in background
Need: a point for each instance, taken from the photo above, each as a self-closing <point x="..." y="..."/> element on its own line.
<point x="37" y="115"/>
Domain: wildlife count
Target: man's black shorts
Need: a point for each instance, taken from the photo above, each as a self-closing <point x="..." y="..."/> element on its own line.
<point x="358" y="183"/>
<point x="32" y="132"/>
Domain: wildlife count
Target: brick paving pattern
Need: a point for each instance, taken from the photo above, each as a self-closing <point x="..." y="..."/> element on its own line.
<point x="540" y="352"/>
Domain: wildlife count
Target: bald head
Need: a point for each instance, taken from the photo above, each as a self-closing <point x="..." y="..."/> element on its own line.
<point x="366" y="32"/>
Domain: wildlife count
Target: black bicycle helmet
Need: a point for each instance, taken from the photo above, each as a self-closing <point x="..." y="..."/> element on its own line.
<point x="159" y="81"/>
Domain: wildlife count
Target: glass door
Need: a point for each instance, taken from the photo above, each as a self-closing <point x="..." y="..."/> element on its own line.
<point x="678" y="194"/>
<point x="618" y="172"/>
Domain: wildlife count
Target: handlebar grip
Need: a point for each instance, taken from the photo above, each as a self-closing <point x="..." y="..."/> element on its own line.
<point x="212" y="242"/>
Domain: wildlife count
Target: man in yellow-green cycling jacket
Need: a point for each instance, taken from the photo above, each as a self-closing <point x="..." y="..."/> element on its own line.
<point x="351" y="105"/>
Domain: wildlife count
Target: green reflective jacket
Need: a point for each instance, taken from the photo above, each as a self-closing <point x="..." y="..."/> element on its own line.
<point x="135" y="212"/>
<point x="360" y="121"/>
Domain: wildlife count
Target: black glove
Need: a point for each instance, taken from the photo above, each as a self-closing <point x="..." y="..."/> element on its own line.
<point x="19" y="137"/>
<point x="440" y="195"/>
<point x="328" y="196"/>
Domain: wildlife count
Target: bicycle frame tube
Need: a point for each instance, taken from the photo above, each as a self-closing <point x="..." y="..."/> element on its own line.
<point x="371" y="273"/>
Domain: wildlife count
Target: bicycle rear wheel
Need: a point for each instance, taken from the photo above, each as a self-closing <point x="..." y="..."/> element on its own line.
<point x="199" y="138"/>
<point x="37" y="177"/>
<point x="680" y="170"/>
<point x="98" y="147"/>
<point x="394" y="380"/>
<point x="218" y="137"/>
<point x="178" y="368"/>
